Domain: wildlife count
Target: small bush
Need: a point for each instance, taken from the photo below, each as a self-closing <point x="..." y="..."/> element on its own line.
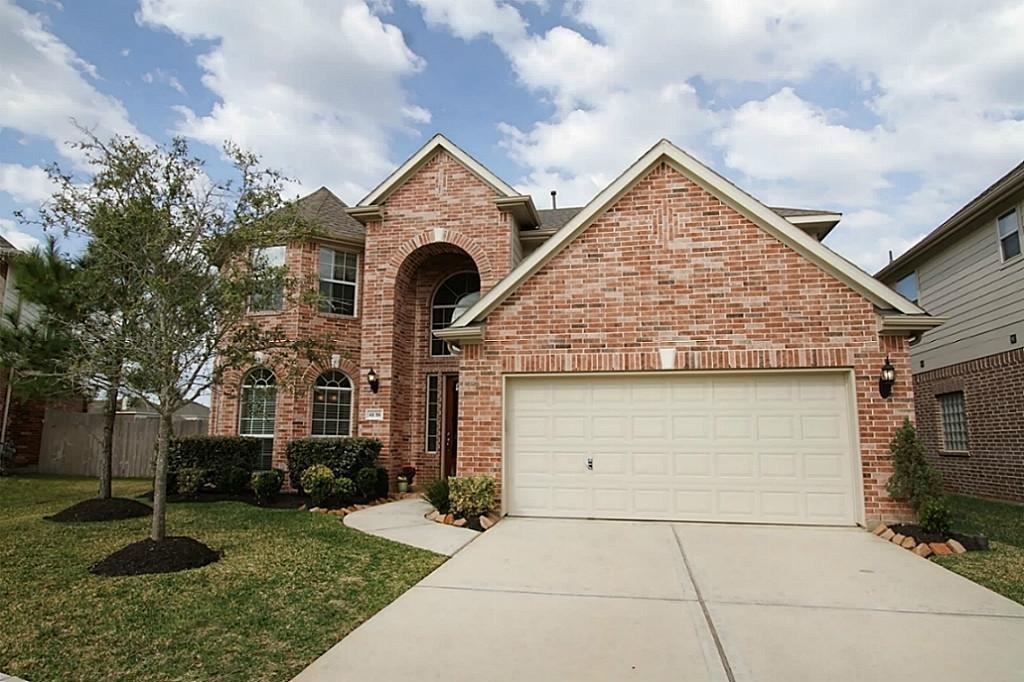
<point x="383" y="482"/>
<point x="345" y="490"/>
<point x="914" y="478"/>
<point x="935" y="516"/>
<point x="366" y="481"/>
<point x="344" y="456"/>
<point x="266" y="485"/>
<point x="234" y="480"/>
<point x="191" y="480"/>
<point x="436" y="494"/>
<point x="318" y="482"/>
<point x="408" y="473"/>
<point x="218" y="455"/>
<point x="471" y="495"/>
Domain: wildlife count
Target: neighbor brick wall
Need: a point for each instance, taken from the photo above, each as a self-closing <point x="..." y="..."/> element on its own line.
<point x="669" y="265"/>
<point x="993" y="389"/>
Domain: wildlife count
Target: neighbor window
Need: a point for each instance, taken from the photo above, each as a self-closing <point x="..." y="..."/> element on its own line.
<point x="1009" y="234"/>
<point x="338" y="281"/>
<point x="432" y="412"/>
<point x="457" y="292"/>
<point x="271" y="294"/>
<point x="332" y="405"/>
<point x="906" y="287"/>
<point x="258" y="409"/>
<point x="954" y="421"/>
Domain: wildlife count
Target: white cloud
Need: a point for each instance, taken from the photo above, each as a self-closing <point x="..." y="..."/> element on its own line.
<point x="25" y="184"/>
<point x="316" y="89"/>
<point x="43" y="84"/>
<point x="165" y="77"/>
<point x="19" y="239"/>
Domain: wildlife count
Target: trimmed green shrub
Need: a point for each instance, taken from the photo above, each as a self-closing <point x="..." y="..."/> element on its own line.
<point x="234" y="480"/>
<point x="218" y="455"/>
<point x="935" y="516"/>
<point x="266" y="485"/>
<point x="345" y="490"/>
<point x="344" y="456"/>
<point x="383" y="482"/>
<point x="471" y="495"/>
<point x="914" y="478"/>
<point x="436" y="493"/>
<point x="366" y="481"/>
<point x="318" y="482"/>
<point x="191" y="480"/>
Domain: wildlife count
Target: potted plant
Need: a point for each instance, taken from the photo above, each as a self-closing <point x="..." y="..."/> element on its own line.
<point x="405" y="478"/>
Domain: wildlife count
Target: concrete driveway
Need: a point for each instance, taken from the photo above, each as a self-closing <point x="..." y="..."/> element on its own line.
<point x="543" y="599"/>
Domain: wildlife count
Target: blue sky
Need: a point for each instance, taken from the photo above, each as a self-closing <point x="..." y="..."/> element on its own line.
<point x="894" y="115"/>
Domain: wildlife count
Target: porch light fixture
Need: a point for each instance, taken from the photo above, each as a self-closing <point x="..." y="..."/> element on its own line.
<point x="886" y="379"/>
<point x="373" y="380"/>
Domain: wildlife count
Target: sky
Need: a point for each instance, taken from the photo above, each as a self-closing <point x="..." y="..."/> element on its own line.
<point x="895" y="114"/>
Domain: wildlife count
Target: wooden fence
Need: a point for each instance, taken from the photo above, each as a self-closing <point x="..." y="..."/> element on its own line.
<point x="72" y="440"/>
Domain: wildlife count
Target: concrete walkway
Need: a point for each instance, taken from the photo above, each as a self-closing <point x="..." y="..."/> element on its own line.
<point x="403" y="522"/>
<point x="537" y="599"/>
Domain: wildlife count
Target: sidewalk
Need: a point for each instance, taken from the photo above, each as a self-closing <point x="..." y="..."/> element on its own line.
<point x="404" y="522"/>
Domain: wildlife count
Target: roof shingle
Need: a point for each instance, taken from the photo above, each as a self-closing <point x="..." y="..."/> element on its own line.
<point x="327" y="212"/>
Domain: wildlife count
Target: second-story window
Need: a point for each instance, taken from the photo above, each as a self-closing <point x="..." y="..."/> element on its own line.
<point x="1009" y="234"/>
<point x="338" y="273"/>
<point x="906" y="287"/>
<point x="463" y="288"/>
<point x="271" y="295"/>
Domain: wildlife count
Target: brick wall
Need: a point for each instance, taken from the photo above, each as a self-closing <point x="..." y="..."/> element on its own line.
<point x="669" y="265"/>
<point x="993" y="389"/>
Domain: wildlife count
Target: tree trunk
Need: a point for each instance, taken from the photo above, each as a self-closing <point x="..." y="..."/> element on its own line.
<point x="107" y="452"/>
<point x="160" y="478"/>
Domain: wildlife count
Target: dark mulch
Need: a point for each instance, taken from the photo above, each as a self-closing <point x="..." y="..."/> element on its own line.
<point x="473" y="523"/>
<point x="171" y="554"/>
<point x="98" y="509"/>
<point x="970" y="542"/>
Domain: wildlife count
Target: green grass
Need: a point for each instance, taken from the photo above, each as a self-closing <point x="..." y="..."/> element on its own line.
<point x="1000" y="569"/>
<point x="289" y="585"/>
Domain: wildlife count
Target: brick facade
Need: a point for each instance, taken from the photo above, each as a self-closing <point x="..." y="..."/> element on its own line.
<point x="993" y="389"/>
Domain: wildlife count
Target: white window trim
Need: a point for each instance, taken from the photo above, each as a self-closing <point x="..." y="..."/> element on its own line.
<point x="241" y="403"/>
<point x="1000" y="237"/>
<point x="351" y="407"/>
<point x="426" y="415"/>
<point x="269" y="311"/>
<point x="354" y="284"/>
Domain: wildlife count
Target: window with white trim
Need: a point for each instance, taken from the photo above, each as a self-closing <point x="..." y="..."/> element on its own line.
<point x="954" y="421"/>
<point x="433" y="412"/>
<point x="332" y="404"/>
<point x="258" y="410"/>
<point x="906" y="286"/>
<point x="458" y="291"/>
<point x="271" y="295"/>
<point x="1008" y="225"/>
<point x="338" y="277"/>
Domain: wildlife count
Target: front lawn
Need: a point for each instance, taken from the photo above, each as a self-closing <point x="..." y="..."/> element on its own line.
<point x="1000" y="569"/>
<point x="289" y="585"/>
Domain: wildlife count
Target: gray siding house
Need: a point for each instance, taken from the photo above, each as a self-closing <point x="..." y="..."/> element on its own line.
<point x="969" y="373"/>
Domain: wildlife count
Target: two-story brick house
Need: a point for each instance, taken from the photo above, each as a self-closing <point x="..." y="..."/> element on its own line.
<point x="674" y="349"/>
<point x="969" y="373"/>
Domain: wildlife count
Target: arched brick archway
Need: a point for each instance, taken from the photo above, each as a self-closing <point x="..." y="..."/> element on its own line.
<point x="440" y="240"/>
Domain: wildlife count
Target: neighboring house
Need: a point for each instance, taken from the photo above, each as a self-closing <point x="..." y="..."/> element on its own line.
<point x="969" y="373"/>
<point x="134" y="406"/>
<point x="672" y="350"/>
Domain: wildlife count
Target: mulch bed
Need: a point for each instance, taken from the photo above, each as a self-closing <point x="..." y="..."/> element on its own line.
<point x="97" y="509"/>
<point x="176" y="553"/>
<point x="970" y="542"/>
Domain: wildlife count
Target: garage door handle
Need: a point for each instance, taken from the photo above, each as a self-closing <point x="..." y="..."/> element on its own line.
<point x="590" y="463"/>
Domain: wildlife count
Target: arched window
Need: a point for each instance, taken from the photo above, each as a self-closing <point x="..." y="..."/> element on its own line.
<point x="332" y="405"/>
<point x="458" y="289"/>
<point x="258" y="409"/>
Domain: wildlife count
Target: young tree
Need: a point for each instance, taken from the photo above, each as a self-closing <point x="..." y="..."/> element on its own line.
<point x="184" y="245"/>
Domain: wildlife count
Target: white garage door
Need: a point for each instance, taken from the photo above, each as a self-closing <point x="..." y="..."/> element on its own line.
<point x="752" y="447"/>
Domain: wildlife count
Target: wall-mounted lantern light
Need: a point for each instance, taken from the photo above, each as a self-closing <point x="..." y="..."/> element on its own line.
<point x="373" y="380"/>
<point x="886" y="379"/>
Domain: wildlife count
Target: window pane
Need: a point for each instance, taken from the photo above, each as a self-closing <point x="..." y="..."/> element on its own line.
<point x="1007" y="223"/>
<point x="1011" y="245"/>
<point x="326" y="263"/>
<point x="907" y="286"/>
<point x="954" y="421"/>
<point x="332" y="405"/>
<point x="432" y="413"/>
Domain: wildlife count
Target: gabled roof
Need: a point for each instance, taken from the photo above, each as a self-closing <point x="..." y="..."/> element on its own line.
<point x="995" y="193"/>
<point x="770" y="221"/>
<point x="407" y="169"/>
<point x="327" y="212"/>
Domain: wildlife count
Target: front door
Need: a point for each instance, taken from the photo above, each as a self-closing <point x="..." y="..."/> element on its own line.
<point x="451" y="423"/>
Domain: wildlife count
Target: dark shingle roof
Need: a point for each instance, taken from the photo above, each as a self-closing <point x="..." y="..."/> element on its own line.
<point x="327" y="212"/>
<point x="554" y="218"/>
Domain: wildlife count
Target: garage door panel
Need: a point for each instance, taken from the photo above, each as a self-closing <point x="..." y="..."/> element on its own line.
<point x="771" y="447"/>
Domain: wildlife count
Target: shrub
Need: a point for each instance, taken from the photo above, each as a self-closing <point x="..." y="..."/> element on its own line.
<point x="436" y="494"/>
<point x="471" y="495"/>
<point x="345" y="490"/>
<point x="366" y="481"/>
<point x="234" y="480"/>
<point x="408" y="473"/>
<point x="190" y="480"/>
<point x="383" y="482"/>
<point x="344" y="456"/>
<point x="914" y="478"/>
<point x="218" y="455"/>
<point x="266" y="484"/>
<point x="318" y="482"/>
<point x="935" y="516"/>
